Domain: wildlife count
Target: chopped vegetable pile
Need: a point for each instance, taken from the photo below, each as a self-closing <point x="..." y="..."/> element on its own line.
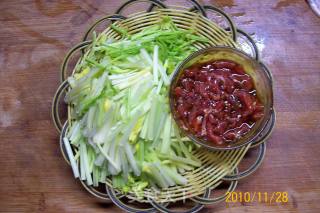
<point x="121" y="123"/>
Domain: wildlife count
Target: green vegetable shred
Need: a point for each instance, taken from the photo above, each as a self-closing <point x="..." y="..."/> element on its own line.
<point x="121" y="123"/>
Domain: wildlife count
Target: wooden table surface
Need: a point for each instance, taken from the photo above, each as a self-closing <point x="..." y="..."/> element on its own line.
<point x="36" y="34"/>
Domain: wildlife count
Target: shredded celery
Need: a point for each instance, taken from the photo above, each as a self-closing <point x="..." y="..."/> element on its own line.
<point x="121" y="123"/>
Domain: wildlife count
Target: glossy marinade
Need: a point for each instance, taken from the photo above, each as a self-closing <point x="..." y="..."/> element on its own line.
<point x="217" y="101"/>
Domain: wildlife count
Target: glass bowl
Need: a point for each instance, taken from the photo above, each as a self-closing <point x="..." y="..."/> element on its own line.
<point x="262" y="81"/>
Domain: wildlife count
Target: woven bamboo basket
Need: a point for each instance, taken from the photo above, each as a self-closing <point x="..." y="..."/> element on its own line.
<point x="217" y="166"/>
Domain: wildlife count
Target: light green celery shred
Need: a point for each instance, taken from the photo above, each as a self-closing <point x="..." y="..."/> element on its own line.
<point x="86" y="165"/>
<point x="179" y="179"/>
<point x="153" y="111"/>
<point x="110" y="159"/>
<point x="124" y="165"/>
<point x="96" y="175"/>
<point x="165" y="176"/>
<point x="176" y="148"/>
<point x="180" y="160"/>
<point x="90" y="120"/>
<point x="163" y="117"/>
<point x="91" y="158"/>
<point x="100" y="115"/>
<point x="131" y="159"/>
<point x="103" y="174"/>
<point x="156" y="176"/>
<point x="166" y="136"/>
<point x="82" y="168"/>
<point x="103" y="132"/>
<point x="120" y="30"/>
<point x="143" y="133"/>
<point x="141" y="151"/>
<point x="99" y="160"/>
<point x="121" y="90"/>
<point x="126" y="133"/>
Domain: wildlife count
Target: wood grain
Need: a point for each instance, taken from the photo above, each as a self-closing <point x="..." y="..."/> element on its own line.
<point x="34" y="37"/>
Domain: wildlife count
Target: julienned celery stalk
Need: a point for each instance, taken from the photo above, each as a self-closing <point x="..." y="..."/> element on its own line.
<point x="121" y="122"/>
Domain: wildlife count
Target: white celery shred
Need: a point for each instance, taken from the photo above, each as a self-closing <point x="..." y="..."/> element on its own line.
<point x="71" y="158"/>
<point x="121" y="123"/>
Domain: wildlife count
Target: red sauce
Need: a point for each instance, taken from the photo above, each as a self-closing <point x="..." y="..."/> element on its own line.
<point x="217" y="101"/>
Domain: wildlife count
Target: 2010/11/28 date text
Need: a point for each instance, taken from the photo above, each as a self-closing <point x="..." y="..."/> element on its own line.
<point x="261" y="197"/>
